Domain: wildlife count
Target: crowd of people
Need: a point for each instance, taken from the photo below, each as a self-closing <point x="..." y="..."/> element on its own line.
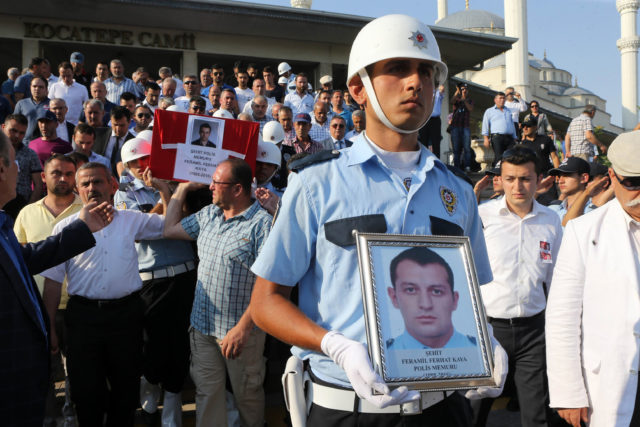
<point x="140" y="282"/>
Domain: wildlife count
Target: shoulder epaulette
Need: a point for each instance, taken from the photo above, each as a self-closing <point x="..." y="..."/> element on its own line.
<point x="319" y="157"/>
<point x="124" y="186"/>
<point x="460" y="174"/>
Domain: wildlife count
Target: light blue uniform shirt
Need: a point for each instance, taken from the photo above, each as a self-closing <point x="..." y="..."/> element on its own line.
<point x="152" y="254"/>
<point x="561" y="209"/>
<point x="496" y="121"/>
<point x="357" y="183"/>
<point x="405" y="341"/>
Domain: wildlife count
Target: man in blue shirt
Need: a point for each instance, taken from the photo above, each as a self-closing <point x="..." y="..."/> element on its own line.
<point x="224" y="341"/>
<point x="22" y="83"/>
<point x="33" y="107"/>
<point x="497" y="127"/>
<point x="386" y="182"/>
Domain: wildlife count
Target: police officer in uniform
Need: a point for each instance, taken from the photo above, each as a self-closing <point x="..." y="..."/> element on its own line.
<point x="385" y="182"/>
<point x="167" y="269"/>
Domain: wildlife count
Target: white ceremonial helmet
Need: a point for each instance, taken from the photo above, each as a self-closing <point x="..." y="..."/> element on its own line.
<point x="393" y="36"/>
<point x="134" y="149"/>
<point x="146" y="134"/>
<point x="273" y="132"/>
<point x="268" y="152"/>
<point x="223" y="114"/>
<point x="175" y="108"/>
<point x="283" y="67"/>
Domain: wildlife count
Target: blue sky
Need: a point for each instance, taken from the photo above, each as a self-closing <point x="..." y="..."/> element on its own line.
<point x="578" y="35"/>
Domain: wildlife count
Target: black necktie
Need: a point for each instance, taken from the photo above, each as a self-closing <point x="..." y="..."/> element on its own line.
<point x="115" y="154"/>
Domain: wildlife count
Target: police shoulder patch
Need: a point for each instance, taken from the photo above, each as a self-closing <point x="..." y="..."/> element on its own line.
<point x="121" y="206"/>
<point x="319" y="157"/>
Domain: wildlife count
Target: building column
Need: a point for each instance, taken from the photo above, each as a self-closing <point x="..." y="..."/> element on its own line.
<point x="30" y="49"/>
<point x="517" y="58"/>
<point x="189" y="63"/>
<point x="628" y="45"/>
<point x="445" y="142"/>
<point x="323" y="68"/>
<point x="443" y="9"/>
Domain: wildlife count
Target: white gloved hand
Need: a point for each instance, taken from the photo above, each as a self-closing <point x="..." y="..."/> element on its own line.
<point x="352" y="356"/>
<point x="500" y="370"/>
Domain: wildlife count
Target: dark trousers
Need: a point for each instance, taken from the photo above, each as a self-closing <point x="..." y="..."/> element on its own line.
<point x="454" y="411"/>
<point x="431" y="135"/>
<point x="500" y="144"/>
<point x="166" y="350"/>
<point x="525" y="345"/>
<point x="104" y="346"/>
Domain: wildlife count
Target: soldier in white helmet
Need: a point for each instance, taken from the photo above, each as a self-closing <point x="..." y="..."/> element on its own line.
<point x="167" y="271"/>
<point x="284" y="70"/>
<point x="386" y="182"/>
<point x="268" y="161"/>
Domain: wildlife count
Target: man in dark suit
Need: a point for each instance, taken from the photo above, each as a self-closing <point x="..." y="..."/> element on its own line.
<point x="65" y="129"/>
<point x="109" y="140"/>
<point x="24" y="326"/>
<point x="337" y="129"/>
<point x="205" y="131"/>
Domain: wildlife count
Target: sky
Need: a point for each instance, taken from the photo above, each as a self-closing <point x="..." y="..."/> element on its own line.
<point x="579" y="36"/>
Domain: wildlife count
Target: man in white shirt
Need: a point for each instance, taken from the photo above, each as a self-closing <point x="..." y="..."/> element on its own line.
<point x="118" y="84"/>
<point x="523" y="238"/>
<point x="300" y="101"/>
<point x="243" y="93"/>
<point x="104" y="312"/>
<point x="515" y="103"/>
<point x="192" y="88"/>
<point x="151" y="95"/>
<point x="73" y="93"/>
<point x="84" y="138"/>
<point x="259" y="88"/>
<point x="594" y="306"/>
<point x="65" y="129"/>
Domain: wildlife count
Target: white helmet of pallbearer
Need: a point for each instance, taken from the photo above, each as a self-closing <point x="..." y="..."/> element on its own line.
<point x="393" y="36"/>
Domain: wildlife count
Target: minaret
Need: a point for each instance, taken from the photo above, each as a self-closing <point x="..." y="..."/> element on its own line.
<point x="628" y="45"/>
<point x="517" y="58"/>
<point x="443" y="9"/>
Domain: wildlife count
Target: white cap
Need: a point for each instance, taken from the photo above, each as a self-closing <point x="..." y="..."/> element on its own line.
<point x="624" y="154"/>
<point x="283" y="67"/>
<point x="283" y="80"/>
<point x="325" y="80"/>
<point x="268" y="153"/>
<point x="175" y="108"/>
<point x="223" y="114"/>
<point x="134" y="149"/>
<point x="393" y="36"/>
<point x="273" y="132"/>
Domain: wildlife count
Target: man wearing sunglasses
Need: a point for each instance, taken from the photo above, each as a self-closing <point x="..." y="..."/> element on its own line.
<point x="337" y="141"/>
<point x="593" y="308"/>
<point x="143" y="117"/>
<point x="192" y="88"/>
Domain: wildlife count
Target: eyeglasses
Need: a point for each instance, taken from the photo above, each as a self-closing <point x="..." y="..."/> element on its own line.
<point x="141" y="115"/>
<point x="218" y="73"/>
<point x="338" y="126"/>
<point x="630" y="183"/>
<point x="197" y="108"/>
<point x="534" y="106"/>
<point x="190" y="82"/>
<point x="223" y="183"/>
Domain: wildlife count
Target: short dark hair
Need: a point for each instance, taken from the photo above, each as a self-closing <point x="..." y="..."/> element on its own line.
<point x="241" y="173"/>
<point x="35" y="61"/>
<point x="589" y="108"/>
<point x="217" y="67"/>
<point x="119" y="112"/>
<point x="102" y="62"/>
<point x="198" y="100"/>
<point x="325" y="91"/>
<point x="44" y="81"/>
<point x="421" y="255"/>
<point x="252" y="65"/>
<point x="205" y="125"/>
<point x="268" y="69"/>
<point x="78" y="158"/>
<point x="520" y="155"/>
<point x="128" y="96"/>
<point x="228" y="90"/>
<point x="18" y="118"/>
<point x="535" y="101"/>
<point x="142" y="106"/>
<point x="336" y="90"/>
<point x="151" y="85"/>
<point x="85" y="129"/>
<point x="302" y="75"/>
<point x="285" y="109"/>
<point x="499" y="94"/>
<point x="66" y="65"/>
<point x="58" y="156"/>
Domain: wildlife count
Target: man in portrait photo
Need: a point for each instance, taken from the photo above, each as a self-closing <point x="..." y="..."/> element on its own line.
<point x="422" y="289"/>
<point x="205" y="132"/>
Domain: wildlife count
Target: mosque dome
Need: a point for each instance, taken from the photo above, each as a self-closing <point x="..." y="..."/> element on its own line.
<point x="472" y="20"/>
<point x="576" y="90"/>
<point x="540" y="63"/>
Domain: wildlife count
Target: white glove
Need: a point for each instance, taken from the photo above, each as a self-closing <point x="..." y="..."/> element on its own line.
<point x="500" y="370"/>
<point x="352" y="356"/>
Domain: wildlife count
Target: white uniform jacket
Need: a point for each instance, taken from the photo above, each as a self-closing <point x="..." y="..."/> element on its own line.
<point x="593" y="318"/>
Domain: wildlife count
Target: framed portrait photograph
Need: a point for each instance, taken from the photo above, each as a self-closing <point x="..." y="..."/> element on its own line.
<point x="205" y="131"/>
<point x="426" y="325"/>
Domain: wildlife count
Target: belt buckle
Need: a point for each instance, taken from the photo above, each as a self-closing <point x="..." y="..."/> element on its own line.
<point x="412" y="408"/>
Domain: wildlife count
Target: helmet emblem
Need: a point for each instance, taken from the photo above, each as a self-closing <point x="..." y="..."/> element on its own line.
<point x="263" y="154"/>
<point x="134" y="151"/>
<point x="418" y="39"/>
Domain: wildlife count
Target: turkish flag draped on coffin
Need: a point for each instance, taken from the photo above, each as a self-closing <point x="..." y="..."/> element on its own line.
<point x="170" y="128"/>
